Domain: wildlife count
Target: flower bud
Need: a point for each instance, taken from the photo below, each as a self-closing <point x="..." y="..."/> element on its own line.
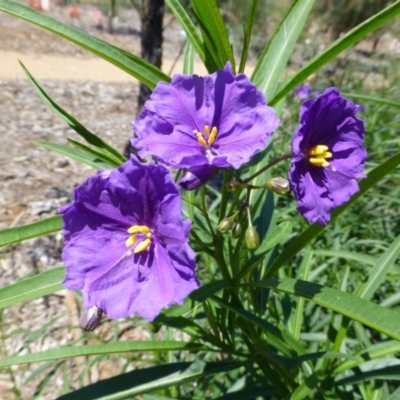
<point x="226" y="224"/>
<point x="234" y="186"/>
<point x="237" y="230"/>
<point x="196" y="176"/>
<point x="251" y="238"/>
<point x="90" y="318"/>
<point x="278" y="185"/>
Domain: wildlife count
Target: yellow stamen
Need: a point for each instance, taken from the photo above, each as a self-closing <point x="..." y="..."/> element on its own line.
<point x="139" y="229"/>
<point x="142" y="246"/>
<point x="207" y="130"/>
<point x="320" y="153"/>
<point x="318" y="150"/>
<point x="130" y="241"/>
<point x="319" y="162"/>
<point x="213" y="135"/>
<point x="201" y="139"/>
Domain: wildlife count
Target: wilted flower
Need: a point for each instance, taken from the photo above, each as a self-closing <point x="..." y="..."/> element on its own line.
<point x="219" y="120"/>
<point x="303" y="92"/>
<point x="328" y="155"/>
<point x="194" y="177"/>
<point x="126" y="243"/>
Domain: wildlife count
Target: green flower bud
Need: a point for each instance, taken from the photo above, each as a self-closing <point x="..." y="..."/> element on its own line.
<point x="90" y="318"/>
<point x="234" y="186"/>
<point x="251" y="238"/>
<point x="237" y="230"/>
<point x="278" y="185"/>
<point x="226" y="224"/>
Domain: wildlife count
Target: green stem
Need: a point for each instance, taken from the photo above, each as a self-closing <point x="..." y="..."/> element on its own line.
<point x="269" y="165"/>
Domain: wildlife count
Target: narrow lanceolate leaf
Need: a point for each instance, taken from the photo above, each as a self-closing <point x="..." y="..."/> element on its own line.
<point x="135" y="66"/>
<point x="108" y="348"/>
<point x="248" y="27"/>
<point x="300" y="241"/>
<point x="199" y="295"/>
<point x="145" y="380"/>
<point x="378" y="273"/>
<point x="372" y="99"/>
<point x="108" y="152"/>
<point x="276" y="54"/>
<point x="379" y="350"/>
<point x="94" y="152"/>
<point x="75" y="154"/>
<point x="40" y="228"/>
<point x="214" y="32"/>
<point x="370" y="314"/>
<point x="188" y="26"/>
<point x="342" y="44"/>
<point x="31" y="288"/>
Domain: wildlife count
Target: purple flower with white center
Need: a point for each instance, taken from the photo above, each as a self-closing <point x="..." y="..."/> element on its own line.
<point x="219" y="120"/>
<point x="328" y="155"/>
<point x="303" y="92"/>
<point x="126" y="244"/>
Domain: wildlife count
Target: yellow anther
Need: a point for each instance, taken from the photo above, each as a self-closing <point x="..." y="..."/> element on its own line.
<point x="319" y="162"/>
<point x="139" y="229"/>
<point x="318" y="150"/>
<point x="130" y="241"/>
<point x="201" y="139"/>
<point x="320" y="153"/>
<point x="142" y="246"/>
<point x="213" y="135"/>
<point x="206" y="130"/>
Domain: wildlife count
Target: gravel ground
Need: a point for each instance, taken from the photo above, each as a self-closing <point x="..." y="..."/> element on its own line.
<point x="33" y="183"/>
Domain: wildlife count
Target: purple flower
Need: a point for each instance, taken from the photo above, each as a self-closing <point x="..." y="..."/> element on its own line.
<point x="328" y="155"/>
<point x="220" y="120"/>
<point x="303" y="92"/>
<point x="126" y="244"/>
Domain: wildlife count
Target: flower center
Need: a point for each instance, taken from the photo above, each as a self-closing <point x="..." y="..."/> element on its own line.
<point x="206" y="137"/>
<point x="318" y="155"/>
<point x="141" y="235"/>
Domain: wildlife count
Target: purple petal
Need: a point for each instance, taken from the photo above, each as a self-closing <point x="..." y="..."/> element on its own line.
<point x="329" y="120"/>
<point x="195" y="177"/>
<point x="167" y="128"/>
<point x="99" y="263"/>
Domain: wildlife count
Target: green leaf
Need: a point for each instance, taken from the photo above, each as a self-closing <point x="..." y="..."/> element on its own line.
<point x="214" y="32"/>
<point x="250" y="393"/>
<point x="31" y="288"/>
<point x="135" y="66"/>
<point x="279" y="233"/>
<point x="109" y="153"/>
<point x="277" y="338"/>
<point x="188" y="26"/>
<point x="248" y="27"/>
<point x="147" y="380"/>
<point x="342" y="44"/>
<point x="372" y="99"/>
<point x="370" y="314"/>
<point x="379" y="350"/>
<point x="347" y="255"/>
<point x="82" y="156"/>
<point x="40" y="228"/>
<point x="108" y="348"/>
<point x="384" y="374"/>
<point x="188" y="62"/>
<point x="300" y="241"/>
<point x="378" y="273"/>
<point x="94" y="152"/>
<point x="276" y="54"/>
<point x="199" y="295"/>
